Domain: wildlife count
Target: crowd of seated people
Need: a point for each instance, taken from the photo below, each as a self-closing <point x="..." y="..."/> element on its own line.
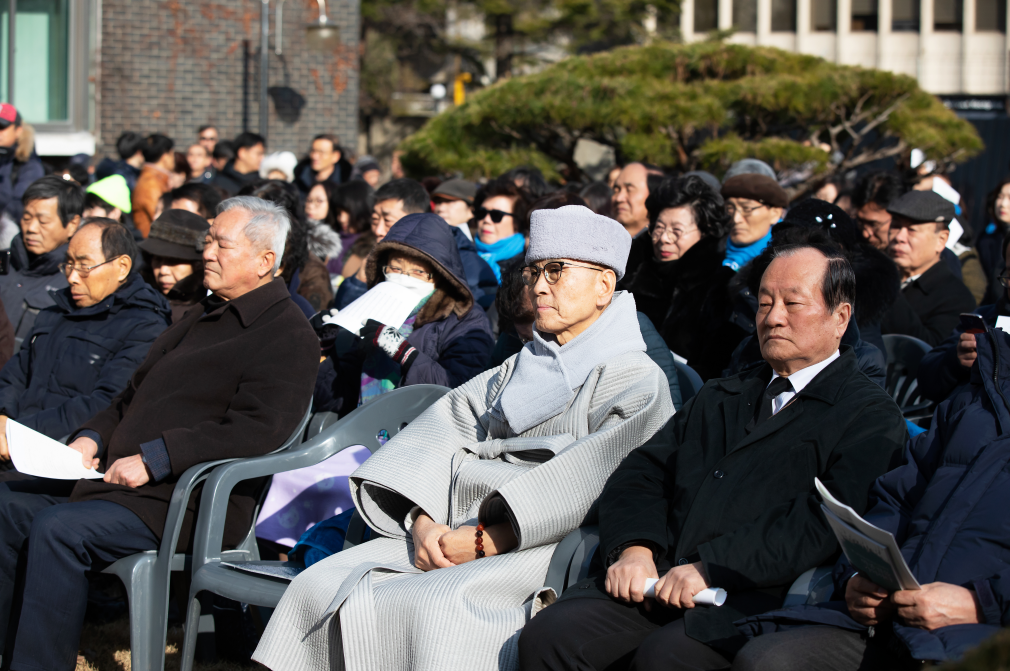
<point x="153" y="326"/>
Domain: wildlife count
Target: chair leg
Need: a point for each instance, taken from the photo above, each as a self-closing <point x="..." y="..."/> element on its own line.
<point x="146" y="595"/>
<point x="191" y="633"/>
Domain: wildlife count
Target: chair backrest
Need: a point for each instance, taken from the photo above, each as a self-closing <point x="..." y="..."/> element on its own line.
<point x="904" y="353"/>
<point x="370" y="425"/>
<point x="690" y="382"/>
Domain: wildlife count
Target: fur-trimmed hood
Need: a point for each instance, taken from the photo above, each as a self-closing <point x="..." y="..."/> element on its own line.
<point x="426" y="236"/>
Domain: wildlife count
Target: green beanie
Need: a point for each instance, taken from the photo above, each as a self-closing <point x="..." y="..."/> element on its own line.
<point x="114" y="191"/>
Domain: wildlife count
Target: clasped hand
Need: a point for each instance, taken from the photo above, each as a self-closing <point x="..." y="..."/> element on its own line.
<point x="626" y="580"/>
<point x="128" y="471"/>
<point x="440" y="546"/>
<point x="936" y="605"/>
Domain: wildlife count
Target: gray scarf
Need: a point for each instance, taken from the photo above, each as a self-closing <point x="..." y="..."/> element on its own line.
<point x="547" y="374"/>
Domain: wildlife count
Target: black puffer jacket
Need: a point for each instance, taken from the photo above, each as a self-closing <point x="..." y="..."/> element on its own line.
<point x="26" y="289"/>
<point x="75" y="360"/>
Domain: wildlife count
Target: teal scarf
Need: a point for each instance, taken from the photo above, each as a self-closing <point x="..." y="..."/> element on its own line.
<point x="504" y="249"/>
<point x="738" y="257"/>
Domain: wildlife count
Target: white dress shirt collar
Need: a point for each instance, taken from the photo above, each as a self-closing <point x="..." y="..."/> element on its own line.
<point x="799" y="380"/>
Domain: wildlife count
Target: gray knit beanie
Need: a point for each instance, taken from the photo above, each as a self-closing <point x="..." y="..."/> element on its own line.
<point x="576" y="232"/>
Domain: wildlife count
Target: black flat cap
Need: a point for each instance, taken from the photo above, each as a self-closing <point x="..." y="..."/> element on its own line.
<point x="177" y="234"/>
<point x="922" y="207"/>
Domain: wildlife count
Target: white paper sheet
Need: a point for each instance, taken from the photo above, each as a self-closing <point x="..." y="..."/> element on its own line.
<point x="386" y="303"/>
<point x="1003" y="323"/>
<point x="41" y="456"/>
<point x="713" y="596"/>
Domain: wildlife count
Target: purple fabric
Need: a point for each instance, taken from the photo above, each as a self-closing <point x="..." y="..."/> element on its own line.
<point x="299" y="499"/>
<point x="336" y="264"/>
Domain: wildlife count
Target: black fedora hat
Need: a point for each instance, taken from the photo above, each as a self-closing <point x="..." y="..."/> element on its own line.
<point x="177" y="234"/>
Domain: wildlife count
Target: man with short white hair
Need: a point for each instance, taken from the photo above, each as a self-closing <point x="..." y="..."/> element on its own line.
<point x="229" y="381"/>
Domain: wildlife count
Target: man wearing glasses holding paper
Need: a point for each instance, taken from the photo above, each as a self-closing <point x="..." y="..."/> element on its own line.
<point x="723" y="496"/>
<point x="215" y="385"/>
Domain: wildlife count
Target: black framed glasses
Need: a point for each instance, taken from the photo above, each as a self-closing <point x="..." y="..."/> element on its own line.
<point x="551" y="271"/>
<point x="82" y="271"/>
<point x="496" y="215"/>
<point x="1004" y="280"/>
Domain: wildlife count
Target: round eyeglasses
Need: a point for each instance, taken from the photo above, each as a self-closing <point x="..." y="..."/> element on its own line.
<point x="551" y="271"/>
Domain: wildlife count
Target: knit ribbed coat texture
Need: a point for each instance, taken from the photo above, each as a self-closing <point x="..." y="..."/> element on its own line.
<point x="370" y="608"/>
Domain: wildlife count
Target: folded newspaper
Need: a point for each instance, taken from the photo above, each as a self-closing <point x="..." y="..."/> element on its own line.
<point x="871" y="550"/>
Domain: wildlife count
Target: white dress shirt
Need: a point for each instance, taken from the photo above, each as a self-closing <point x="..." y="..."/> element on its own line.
<point x="799" y="379"/>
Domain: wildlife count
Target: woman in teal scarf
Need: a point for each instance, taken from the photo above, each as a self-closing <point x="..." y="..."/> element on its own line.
<point x="501" y="224"/>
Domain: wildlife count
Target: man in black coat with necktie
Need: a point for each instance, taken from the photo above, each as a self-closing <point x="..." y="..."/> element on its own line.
<point x="723" y="496"/>
<point x="931" y="297"/>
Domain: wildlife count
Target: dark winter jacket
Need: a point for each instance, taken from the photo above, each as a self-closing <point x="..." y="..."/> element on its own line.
<point x="232" y="380"/>
<point x="479" y="276"/>
<point x="305" y="176"/>
<point x="699" y="305"/>
<point x="6" y="337"/>
<point x="186" y="293"/>
<point x="946" y="506"/>
<point x="231" y="180"/>
<point x="928" y="308"/>
<point x="706" y="488"/>
<point x="26" y="289"/>
<point x="451" y="333"/>
<point x="75" y="360"/>
<point x="989" y="246"/>
<point x="108" y="167"/>
<point x="940" y="372"/>
<point x="350" y="290"/>
<point x="659" y="351"/>
<point x="11" y="190"/>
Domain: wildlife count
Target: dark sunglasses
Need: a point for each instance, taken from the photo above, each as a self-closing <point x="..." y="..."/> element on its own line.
<point x="496" y="215"/>
<point x="551" y="271"/>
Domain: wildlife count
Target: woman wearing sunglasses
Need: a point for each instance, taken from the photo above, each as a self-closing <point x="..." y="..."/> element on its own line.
<point x="501" y="225"/>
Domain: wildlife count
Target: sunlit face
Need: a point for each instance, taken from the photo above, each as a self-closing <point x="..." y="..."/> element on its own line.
<point x="208" y="139"/>
<point x="1002" y="206"/>
<point x="488" y="230"/>
<point x="915" y="247"/>
<point x="455" y="211"/>
<point x="631" y="190"/>
<point x="93" y="286"/>
<point x="42" y="231"/>
<point x="751" y="220"/>
<point x="385" y="214"/>
<point x="169" y="272"/>
<point x="795" y="328"/>
<point x="875" y="223"/>
<point x="675" y="232"/>
<point x="323" y="155"/>
<point x="233" y="265"/>
<point x="317" y="205"/>
<point x="251" y="157"/>
<point x="416" y="268"/>
<point x="199" y="159"/>
<point x="828" y="192"/>
<point x="568" y="307"/>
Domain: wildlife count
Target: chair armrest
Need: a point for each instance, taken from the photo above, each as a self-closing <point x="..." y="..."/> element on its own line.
<point x="390" y="412"/>
<point x="578" y="546"/>
<point x="193" y="476"/>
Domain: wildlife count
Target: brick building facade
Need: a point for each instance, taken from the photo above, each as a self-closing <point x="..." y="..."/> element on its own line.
<point x="169" y="66"/>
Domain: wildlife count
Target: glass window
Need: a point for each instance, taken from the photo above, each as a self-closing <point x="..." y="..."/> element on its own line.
<point x="905" y="16"/>
<point x="824" y="16"/>
<point x="990" y="15"/>
<point x="706" y="16"/>
<point x="41" y="64"/>
<point x="947" y="15"/>
<point x="864" y="15"/>
<point x="783" y="16"/>
<point x="745" y="15"/>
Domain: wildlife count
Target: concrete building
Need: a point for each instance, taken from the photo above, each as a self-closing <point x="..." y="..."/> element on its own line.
<point x="950" y="46"/>
<point x="83" y="71"/>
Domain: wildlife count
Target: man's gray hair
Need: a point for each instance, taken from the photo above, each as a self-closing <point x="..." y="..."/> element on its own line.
<point x="267" y="228"/>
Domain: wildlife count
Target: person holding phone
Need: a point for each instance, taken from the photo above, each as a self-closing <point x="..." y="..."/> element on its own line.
<point x="949" y="364"/>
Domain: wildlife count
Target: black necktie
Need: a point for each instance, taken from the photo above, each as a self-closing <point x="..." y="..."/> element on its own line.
<point x="779" y="385"/>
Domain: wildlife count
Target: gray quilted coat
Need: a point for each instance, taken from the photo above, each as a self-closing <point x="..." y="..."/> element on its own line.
<point x="369" y="608"/>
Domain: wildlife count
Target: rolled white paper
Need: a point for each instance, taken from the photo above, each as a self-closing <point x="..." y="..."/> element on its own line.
<point x="712" y="596"/>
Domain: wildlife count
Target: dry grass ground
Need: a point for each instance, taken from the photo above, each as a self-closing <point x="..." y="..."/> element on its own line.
<point x="106" y="647"/>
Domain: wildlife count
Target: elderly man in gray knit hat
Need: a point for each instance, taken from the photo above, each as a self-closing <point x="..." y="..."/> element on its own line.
<point x="468" y="502"/>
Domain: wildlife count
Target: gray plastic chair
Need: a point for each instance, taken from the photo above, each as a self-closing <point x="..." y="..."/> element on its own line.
<point x="370" y="425"/>
<point x="690" y="382"/>
<point x="904" y="353"/>
<point x="147" y="575"/>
